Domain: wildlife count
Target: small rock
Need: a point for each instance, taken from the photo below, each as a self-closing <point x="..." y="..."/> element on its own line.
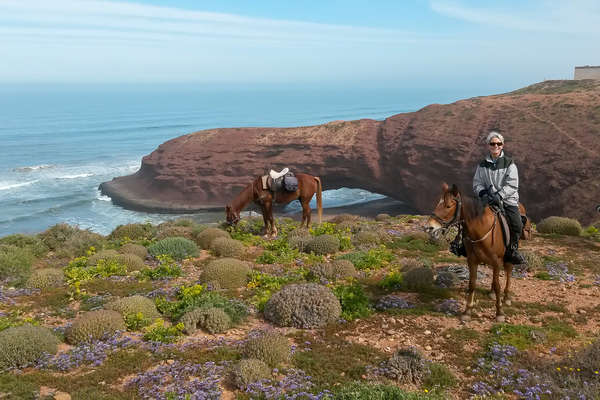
<point x="428" y="348"/>
<point x="387" y="349"/>
<point x="170" y="362"/>
<point x="390" y="332"/>
<point x="448" y="336"/>
<point x="384" y="326"/>
<point x="427" y="332"/>
<point x="581" y="311"/>
<point x="393" y="320"/>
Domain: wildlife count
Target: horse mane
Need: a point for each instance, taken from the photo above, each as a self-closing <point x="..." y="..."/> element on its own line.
<point x="472" y="207"/>
<point x="243" y="198"/>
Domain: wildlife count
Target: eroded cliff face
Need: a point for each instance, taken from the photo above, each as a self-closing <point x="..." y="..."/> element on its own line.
<point x="552" y="131"/>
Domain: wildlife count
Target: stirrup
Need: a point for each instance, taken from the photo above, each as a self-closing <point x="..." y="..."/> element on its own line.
<point x="275" y="174"/>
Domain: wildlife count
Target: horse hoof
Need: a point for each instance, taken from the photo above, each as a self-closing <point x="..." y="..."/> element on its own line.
<point x="500" y="319"/>
<point x="507" y="302"/>
<point x="465" y="318"/>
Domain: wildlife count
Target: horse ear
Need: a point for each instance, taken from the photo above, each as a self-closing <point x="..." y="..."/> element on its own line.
<point x="454" y="190"/>
<point x="445" y="187"/>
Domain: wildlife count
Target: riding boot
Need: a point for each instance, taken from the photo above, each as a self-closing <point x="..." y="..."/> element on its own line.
<point x="512" y="254"/>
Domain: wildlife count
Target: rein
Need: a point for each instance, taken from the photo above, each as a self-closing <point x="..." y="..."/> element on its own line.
<point x="456" y="219"/>
<point x="486" y="235"/>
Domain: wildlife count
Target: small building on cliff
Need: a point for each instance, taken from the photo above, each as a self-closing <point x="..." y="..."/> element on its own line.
<point x="587" y="72"/>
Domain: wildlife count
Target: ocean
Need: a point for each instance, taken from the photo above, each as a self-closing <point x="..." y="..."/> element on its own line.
<point x="59" y="143"/>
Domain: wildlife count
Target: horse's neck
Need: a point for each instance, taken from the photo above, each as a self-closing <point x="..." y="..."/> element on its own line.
<point x="242" y="199"/>
<point x="470" y="216"/>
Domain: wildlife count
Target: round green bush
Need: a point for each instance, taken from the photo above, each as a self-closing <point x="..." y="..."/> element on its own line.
<point x="56" y="235"/>
<point x="418" y="278"/>
<point x="338" y="219"/>
<point x="366" y="239"/>
<point x="299" y="238"/>
<point x="29" y="242"/>
<point x="307" y="305"/>
<point x="137" y="249"/>
<point x="226" y="247"/>
<point x="335" y="270"/>
<point x="382" y="217"/>
<point x="165" y="231"/>
<point x="79" y="243"/>
<point x="560" y="225"/>
<point x="211" y="319"/>
<point x="94" y="325"/>
<point x="206" y="237"/>
<point x="131" y="261"/>
<point x="323" y="244"/>
<point x="176" y="247"/>
<point x="20" y="346"/>
<point x="270" y="347"/>
<point x="102" y="255"/>
<point x="533" y="260"/>
<point x="406" y="366"/>
<point x="187" y="222"/>
<point x="133" y="232"/>
<point x="46" y="278"/>
<point x="15" y="264"/>
<point x="229" y="273"/>
<point x="215" y="320"/>
<point x="133" y="305"/>
<point x="411" y="263"/>
<point x="249" y="371"/>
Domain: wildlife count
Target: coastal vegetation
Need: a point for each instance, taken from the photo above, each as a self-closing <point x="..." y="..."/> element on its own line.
<point x="353" y="308"/>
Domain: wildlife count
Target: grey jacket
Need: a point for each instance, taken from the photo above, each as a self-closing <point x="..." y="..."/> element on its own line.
<point x="502" y="175"/>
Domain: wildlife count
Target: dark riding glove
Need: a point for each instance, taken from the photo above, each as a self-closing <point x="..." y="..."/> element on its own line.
<point x="482" y="193"/>
<point x="495" y="199"/>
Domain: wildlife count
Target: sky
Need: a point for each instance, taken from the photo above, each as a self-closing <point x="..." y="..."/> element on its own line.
<point x="442" y="43"/>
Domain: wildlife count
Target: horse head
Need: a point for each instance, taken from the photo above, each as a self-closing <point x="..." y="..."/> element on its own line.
<point x="233" y="216"/>
<point x="446" y="212"/>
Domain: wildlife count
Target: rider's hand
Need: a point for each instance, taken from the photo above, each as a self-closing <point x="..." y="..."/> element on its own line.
<point x="482" y="193"/>
<point x="495" y="199"/>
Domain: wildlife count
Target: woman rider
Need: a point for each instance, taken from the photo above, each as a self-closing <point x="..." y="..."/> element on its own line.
<point x="496" y="182"/>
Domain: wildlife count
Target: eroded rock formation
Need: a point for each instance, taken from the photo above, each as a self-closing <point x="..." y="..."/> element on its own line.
<point x="552" y="130"/>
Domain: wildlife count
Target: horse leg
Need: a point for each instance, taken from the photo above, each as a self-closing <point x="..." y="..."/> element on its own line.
<point x="265" y="221"/>
<point x="496" y="285"/>
<point x="508" y="272"/>
<point x="305" y="213"/>
<point x="466" y="316"/>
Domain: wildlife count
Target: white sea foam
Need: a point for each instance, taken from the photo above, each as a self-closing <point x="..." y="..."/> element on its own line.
<point x="103" y="198"/>
<point x="75" y="176"/>
<point x="33" y="168"/>
<point x="8" y="186"/>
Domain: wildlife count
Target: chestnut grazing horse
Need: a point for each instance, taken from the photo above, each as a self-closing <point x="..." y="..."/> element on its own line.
<point x="308" y="185"/>
<point x="482" y="237"/>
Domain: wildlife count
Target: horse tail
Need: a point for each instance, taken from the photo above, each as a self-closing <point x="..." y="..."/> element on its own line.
<point x="319" y="198"/>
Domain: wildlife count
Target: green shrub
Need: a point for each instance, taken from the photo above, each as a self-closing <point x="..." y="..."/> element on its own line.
<point x="439" y="377"/>
<point x="164" y="231"/>
<point x="365" y="239"/>
<point x="176" y="247"/>
<point x="371" y="259"/>
<point x="167" y="268"/>
<point x="299" y="238"/>
<point x="229" y="273"/>
<point x="109" y="267"/>
<point x="137" y="249"/>
<point x="188" y="222"/>
<point x="249" y="371"/>
<point x="270" y="347"/>
<point x="418" y="278"/>
<point x="15" y="264"/>
<point x="406" y="366"/>
<point x="382" y="217"/>
<point x="393" y="280"/>
<point x="560" y="225"/>
<point x="369" y="391"/>
<point x="336" y="270"/>
<point x="20" y="346"/>
<point x="94" y="325"/>
<point x="211" y="319"/>
<point x="323" y="244"/>
<point x="133" y="232"/>
<point x="226" y="247"/>
<point x="46" y="278"/>
<point x="411" y="263"/>
<point x="418" y="241"/>
<point x="194" y="296"/>
<point x="133" y="305"/>
<point x="533" y="261"/>
<point x="78" y="243"/>
<point x="206" y="237"/>
<point x="306" y="305"/>
<point x="159" y="331"/>
<point x="56" y="235"/>
<point x="354" y="301"/>
<point x="28" y="242"/>
<point x="102" y="255"/>
<point x="137" y="321"/>
<point x="131" y="262"/>
<point x="338" y="219"/>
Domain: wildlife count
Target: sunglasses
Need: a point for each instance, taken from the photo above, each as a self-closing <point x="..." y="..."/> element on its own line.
<point x="496" y="144"/>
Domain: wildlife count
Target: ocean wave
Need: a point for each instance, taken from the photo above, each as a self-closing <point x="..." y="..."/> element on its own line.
<point x="75" y="176"/>
<point x="48" y="211"/>
<point x="103" y="198"/>
<point x="8" y="186"/>
<point x="33" y="168"/>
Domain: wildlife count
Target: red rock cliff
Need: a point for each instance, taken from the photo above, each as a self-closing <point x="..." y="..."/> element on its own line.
<point x="552" y="130"/>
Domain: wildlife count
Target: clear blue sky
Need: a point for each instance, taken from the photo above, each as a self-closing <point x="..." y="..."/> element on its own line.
<point x="379" y="42"/>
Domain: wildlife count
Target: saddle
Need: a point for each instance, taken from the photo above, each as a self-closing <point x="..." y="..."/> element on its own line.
<point x="525" y="232"/>
<point x="280" y="181"/>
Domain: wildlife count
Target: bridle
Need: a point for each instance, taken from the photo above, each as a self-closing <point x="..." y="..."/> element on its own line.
<point x="456" y="218"/>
